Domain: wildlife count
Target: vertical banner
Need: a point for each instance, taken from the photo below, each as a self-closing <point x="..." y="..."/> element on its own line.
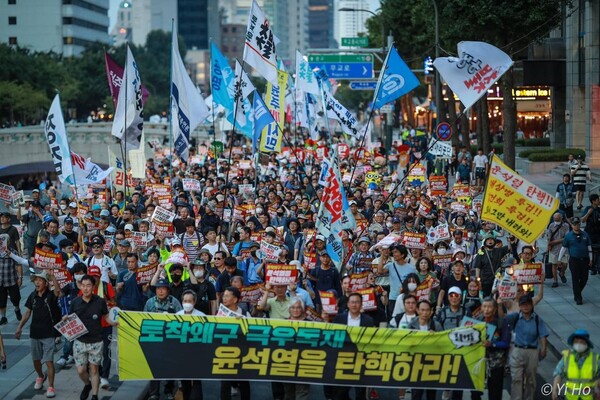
<point x="56" y="135"/>
<point x="271" y="137"/>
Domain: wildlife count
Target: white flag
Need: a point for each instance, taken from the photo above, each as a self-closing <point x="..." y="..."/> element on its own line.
<point x="56" y="134"/>
<point x="305" y="77"/>
<point x="87" y="172"/>
<point x="129" y="105"/>
<point x="188" y="106"/>
<point x="259" y="49"/>
<point x="242" y="87"/>
<point x="478" y="66"/>
<point x="337" y="111"/>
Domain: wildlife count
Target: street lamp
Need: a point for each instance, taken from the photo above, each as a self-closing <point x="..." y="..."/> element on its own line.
<point x="349" y="9"/>
<point x="438" y="90"/>
<point x="386" y="133"/>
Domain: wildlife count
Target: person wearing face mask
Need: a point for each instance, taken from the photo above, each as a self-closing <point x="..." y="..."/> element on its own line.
<point x="70" y="291"/>
<point x="578" y="369"/>
<point x="179" y="284"/>
<point x="487" y="261"/>
<point x="191" y="389"/>
<point x="206" y="295"/>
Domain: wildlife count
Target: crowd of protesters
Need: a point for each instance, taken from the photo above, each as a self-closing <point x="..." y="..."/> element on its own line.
<point x="241" y="202"/>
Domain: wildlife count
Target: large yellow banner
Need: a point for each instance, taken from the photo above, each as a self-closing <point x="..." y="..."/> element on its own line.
<point x="256" y="349"/>
<point x="272" y="134"/>
<point x="516" y="204"/>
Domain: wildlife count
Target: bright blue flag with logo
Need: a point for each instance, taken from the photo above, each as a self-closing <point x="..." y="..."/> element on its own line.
<point x="221" y="75"/>
<point x="262" y="118"/>
<point x="395" y="80"/>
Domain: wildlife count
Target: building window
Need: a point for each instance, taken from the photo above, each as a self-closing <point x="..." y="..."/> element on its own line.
<point x="12" y="40"/>
<point x="12" y="1"/>
<point x="12" y="20"/>
<point x="68" y="40"/>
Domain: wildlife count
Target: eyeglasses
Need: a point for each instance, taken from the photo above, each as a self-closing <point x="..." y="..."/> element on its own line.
<point x="96" y="246"/>
<point x="218" y="258"/>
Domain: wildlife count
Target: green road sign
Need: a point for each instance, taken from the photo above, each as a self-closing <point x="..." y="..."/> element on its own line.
<point x="355" y="41"/>
<point x="340" y="58"/>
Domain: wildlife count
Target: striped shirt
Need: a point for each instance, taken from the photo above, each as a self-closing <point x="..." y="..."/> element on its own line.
<point x="580" y="173"/>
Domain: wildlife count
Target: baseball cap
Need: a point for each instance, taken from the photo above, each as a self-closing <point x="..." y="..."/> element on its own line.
<point x="65" y="243"/>
<point x="162" y="283"/>
<point x="68" y="220"/>
<point x="97" y="240"/>
<point x="525" y="299"/>
<point x="455" y="290"/>
<point x="96" y="207"/>
<point x="575" y="220"/>
<point x="364" y="239"/>
<point x="125" y="243"/>
<point x="320" y="237"/>
<point x="352" y="202"/>
<point x="105" y="213"/>
<point x="42" y="274"/>
<point x="396" y="220"/>
<point x="324" y="253"/>
<point x="128" y="227"/>
<point x="35" y="191"/>
<point x="220" y="197"/>
<point x="254" y="244"/>
<point x="27" y="198"/>
<point x="94" y="270"/>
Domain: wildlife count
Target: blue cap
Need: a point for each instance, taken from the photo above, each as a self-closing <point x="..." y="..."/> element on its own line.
<point x="48" y="218"/>
<point x="162" y="283"/>
<point x="580" y="334"/>
<point x="96" y="207"/>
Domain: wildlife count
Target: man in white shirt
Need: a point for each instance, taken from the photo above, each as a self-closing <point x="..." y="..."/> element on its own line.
<point x="480" y="167"/>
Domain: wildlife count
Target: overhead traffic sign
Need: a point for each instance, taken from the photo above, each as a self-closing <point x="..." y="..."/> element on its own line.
<point x="344" y="66"/>
<point x="355" y="41"/>
<point x="363" y="85"/>
<point x="444" y="131"/>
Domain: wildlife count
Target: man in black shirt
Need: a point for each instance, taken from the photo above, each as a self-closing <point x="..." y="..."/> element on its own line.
<point x="87" y="349"/>
<point x="42" y="306"/>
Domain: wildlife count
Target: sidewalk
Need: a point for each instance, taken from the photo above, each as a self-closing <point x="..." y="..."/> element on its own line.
<point x="558" y="309"/>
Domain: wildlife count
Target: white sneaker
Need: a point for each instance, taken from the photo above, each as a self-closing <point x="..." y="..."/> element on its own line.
<point x="70" y="360"/>
<point x="61" y="362"/>
<point x="104" y="384"/>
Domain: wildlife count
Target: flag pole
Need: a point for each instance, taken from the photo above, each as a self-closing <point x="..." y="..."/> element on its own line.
<point x="235" y="105"/>
<point x="362" y="142"/>
<point x="171" y="105"/>
<point x="124" y="146"/>
<point x="212" y="92"/>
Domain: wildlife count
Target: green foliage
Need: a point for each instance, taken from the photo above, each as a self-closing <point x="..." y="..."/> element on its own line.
<point x="498" y="148"/>
<point x="534" y="142"/>
<point x="29" y="80"/>
<point x="559" y="155"/>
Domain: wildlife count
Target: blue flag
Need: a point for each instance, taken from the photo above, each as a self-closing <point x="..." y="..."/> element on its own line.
<point x="395" y="80"/>
<point x="262" y="118"/>
<point x="221" y="76"/>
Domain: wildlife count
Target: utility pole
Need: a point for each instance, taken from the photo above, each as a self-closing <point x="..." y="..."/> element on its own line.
<point x="390" y="114"/>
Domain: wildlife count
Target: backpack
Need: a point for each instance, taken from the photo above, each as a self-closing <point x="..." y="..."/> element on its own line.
<point x="513" y="321"/>
<point x="442" y="317"/>
<point x="53" y="310"/>
<point x="197" y="237"/>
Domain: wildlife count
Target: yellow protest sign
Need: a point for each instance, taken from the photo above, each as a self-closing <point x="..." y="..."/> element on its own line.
<point x="516" y="204"/>
<point x="271" y="137"/>
<point x="254" y="349"/>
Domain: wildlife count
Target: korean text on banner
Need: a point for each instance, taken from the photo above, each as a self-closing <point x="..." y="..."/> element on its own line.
<point x="478" y="66"/>
<point x="6" y="193"/>
<point x="527" y="274"/>
<point x="71" y="327"/>
<point x="253" y="349"/>
<point x="56" y="134"/>
<point x="191" y="185"/>
<point x="515" y="203"/>
<point x="46" y="259"/>
<point x="259" y="49"/>
<point x="281" y="274"/>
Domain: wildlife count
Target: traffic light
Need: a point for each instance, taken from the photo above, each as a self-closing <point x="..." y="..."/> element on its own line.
<point x="428" y="65"/>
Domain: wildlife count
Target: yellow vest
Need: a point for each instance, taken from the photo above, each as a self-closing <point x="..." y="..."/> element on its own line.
<point x="579" y="381"/>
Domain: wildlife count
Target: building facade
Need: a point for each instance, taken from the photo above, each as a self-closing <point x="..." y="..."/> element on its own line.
<point x="582" y="110"/>
<point x="320" y="24"/>
<point x="350" y="24"/>
<point x="61" y="26"/>
<point x="151" y="15"/>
